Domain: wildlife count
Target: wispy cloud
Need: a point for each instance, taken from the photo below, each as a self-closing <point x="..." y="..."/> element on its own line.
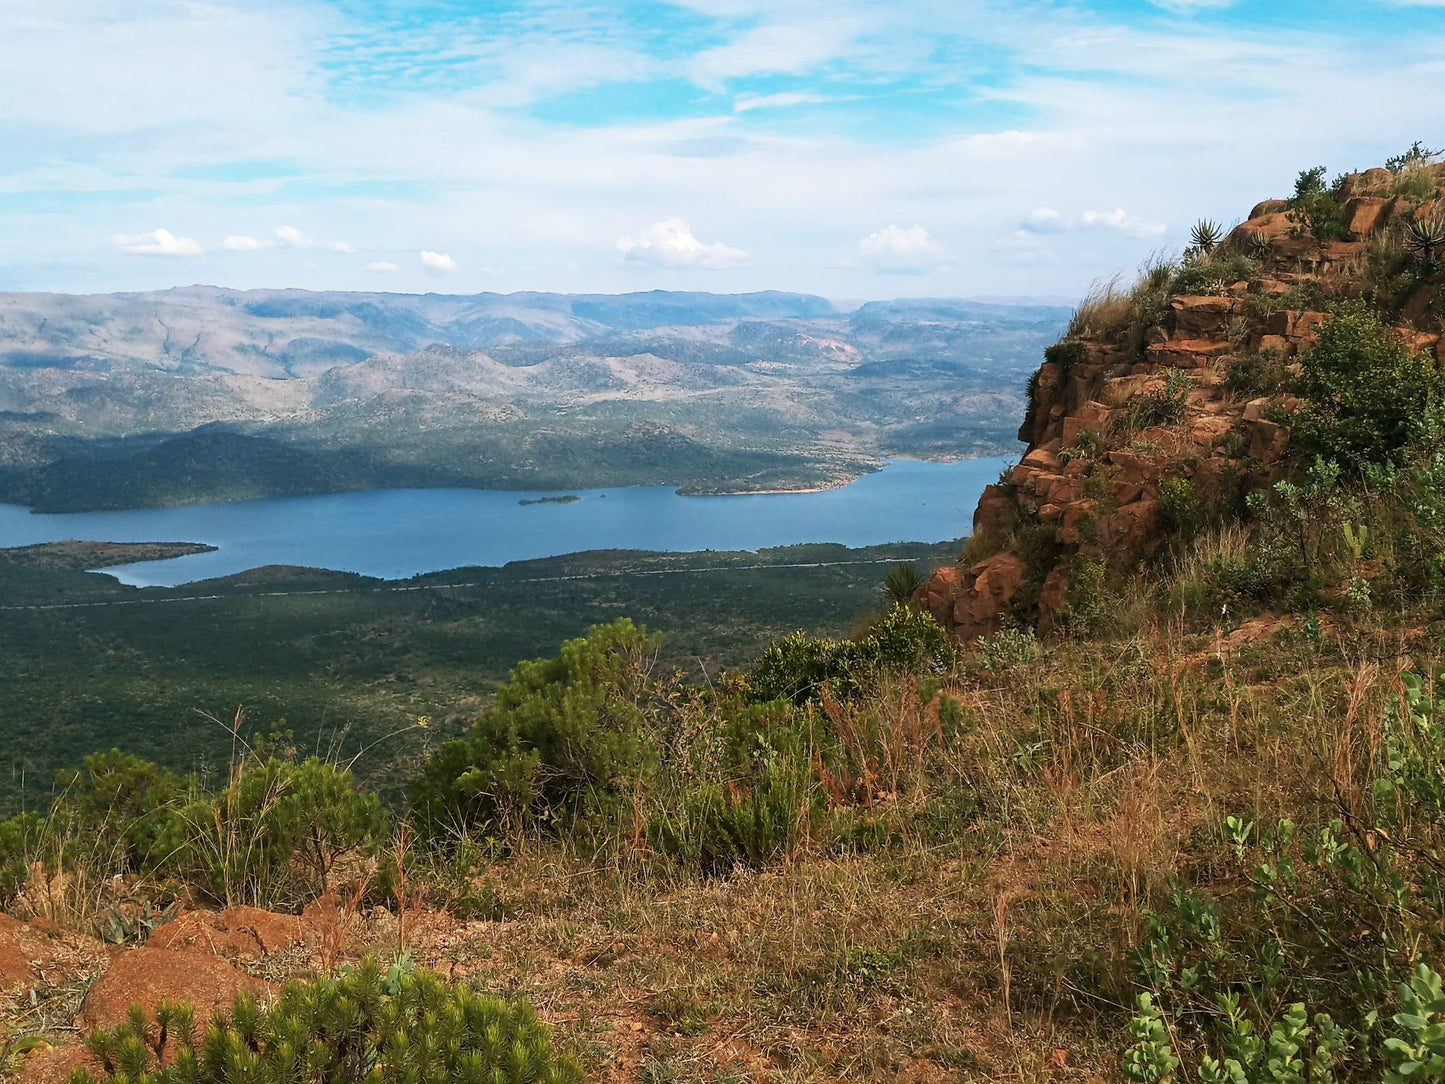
<point x="437" y="261"/>
<point x="382" y="265"/>
<point x="530" y="140"/>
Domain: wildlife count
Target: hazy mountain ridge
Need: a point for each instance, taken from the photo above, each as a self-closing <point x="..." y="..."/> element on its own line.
<point x="708" y="391"/>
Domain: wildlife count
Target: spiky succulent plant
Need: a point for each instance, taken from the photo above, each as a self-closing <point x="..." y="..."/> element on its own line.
<point x="1425" y="238"/>
<point x="1206" y="234"/>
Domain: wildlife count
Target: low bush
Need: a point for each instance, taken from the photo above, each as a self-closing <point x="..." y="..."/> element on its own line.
<point x="799" y="668"/>
<point x="1368" y="397"/>
<point x="563" y="737"/>
<point x="270" y="837"/>
<point x="1315" y="210"/>
<point x="396" y="1027"/>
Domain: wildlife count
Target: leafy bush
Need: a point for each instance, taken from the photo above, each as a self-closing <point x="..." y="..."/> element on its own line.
<point x="1181" y="512"/>
<point x="799" y="668"/>
<point x="1337" y="915"/>
<point x="563" y="735"/>
<point x="1315" y="211"/>
<point x="401" y="1027"/>
<point x="1263" y="373"/>
<point x="1007" y="648"/>
<point x="1368" y="398"/>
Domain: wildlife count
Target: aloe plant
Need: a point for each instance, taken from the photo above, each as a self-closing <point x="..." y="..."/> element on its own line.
<point x="1206" y="234"/>
<point x="1425" y="239"/>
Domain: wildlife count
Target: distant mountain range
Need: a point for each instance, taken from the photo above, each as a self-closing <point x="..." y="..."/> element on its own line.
<point x="203" y="393"/>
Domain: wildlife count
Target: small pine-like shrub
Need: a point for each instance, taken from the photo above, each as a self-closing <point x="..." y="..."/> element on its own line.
<point x="563" y="736"/>
<point x="1368" y="398"/>
<point x="366" y="1026"/>
<point x="272" y="836"/>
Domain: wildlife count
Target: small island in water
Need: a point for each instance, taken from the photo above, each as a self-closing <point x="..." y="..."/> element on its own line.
<point x="570" y="498"/>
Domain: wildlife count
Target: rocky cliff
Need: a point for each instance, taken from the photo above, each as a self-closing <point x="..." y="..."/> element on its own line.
<point x="1158" y="387"/>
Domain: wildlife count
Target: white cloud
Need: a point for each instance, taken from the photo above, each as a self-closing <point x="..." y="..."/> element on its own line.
<point x="1043" y="220"/>
<point x="1125" y="223"/>
<point x="290" y="237"/>
<point x="159" y="242"/>
<point x="342" y="247"/>
<point x="911" y="251"/>
<point x="382" y="265"/>
<point x="437" y="261"/>
<point x="242" y="243"/>
<point x="745" y="102"/>
<point x="671" y="243"/>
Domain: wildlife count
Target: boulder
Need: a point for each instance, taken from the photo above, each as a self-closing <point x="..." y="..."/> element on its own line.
<point x="994" y="583"/>
<point x="1267" y="440"/>
<point x="1200" y="316"/>
<point x="237" y="933"/>
<point x="1368" y="213"/>
<point x="936" y="594"/>
<point x="147" y="976"/>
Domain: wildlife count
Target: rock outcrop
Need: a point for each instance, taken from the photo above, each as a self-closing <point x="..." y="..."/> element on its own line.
<point x="1138" y="400"/>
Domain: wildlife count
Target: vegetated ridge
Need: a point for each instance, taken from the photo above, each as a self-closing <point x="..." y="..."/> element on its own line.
<point x="1174" y="400"/>
<point x="204" y="394"/>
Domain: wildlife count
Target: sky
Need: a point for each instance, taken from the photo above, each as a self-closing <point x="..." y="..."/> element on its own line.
<point x="850" y="148"/>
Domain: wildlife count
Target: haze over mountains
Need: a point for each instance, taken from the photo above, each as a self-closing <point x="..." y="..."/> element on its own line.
<point x="203" y="393"/>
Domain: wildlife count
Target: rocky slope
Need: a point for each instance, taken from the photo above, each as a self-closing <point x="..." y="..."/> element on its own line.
<point x="1140" y="393"/>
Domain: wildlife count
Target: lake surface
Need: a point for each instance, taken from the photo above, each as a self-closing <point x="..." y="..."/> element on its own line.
<point x="395" y="533"/>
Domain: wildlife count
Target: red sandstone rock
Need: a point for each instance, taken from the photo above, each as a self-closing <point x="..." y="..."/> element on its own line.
<point x="147" y="976"/>
<point x="238" y="933"/>
<point x="995" y="582"/>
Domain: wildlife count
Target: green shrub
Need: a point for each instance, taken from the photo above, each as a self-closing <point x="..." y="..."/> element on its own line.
<point x="1007" y="648"/>
<point x="20" y="839"/>
<point x="1263" y="373"/>
<point x="562" y="737"/>
<point x="1181" y="513"/>
<point x="1065" y="354"/>
<point x="272" y="836"/>
<point x="798" y="668"/>
<point x="1163" y="406"/>
<point x="1368" y="398"/>
<point x="402" y="1027"/>
<point x="1315" y="211"/>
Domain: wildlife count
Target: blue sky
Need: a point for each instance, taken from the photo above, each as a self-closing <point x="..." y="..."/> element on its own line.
<point x="854" y="148"/>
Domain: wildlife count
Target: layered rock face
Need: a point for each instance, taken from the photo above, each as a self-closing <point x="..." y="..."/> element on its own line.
<point x="1144" y="399"/>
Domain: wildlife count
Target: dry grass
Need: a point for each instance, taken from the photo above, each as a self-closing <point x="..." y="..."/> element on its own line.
<point x="984" y="945"/>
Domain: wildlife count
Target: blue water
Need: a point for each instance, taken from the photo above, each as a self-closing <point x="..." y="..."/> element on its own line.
<point x="394" y="533"/>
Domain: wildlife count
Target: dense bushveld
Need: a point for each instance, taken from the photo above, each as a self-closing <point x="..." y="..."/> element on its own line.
<point x="1194" y="832"/>
<point x="349" y="661"/>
